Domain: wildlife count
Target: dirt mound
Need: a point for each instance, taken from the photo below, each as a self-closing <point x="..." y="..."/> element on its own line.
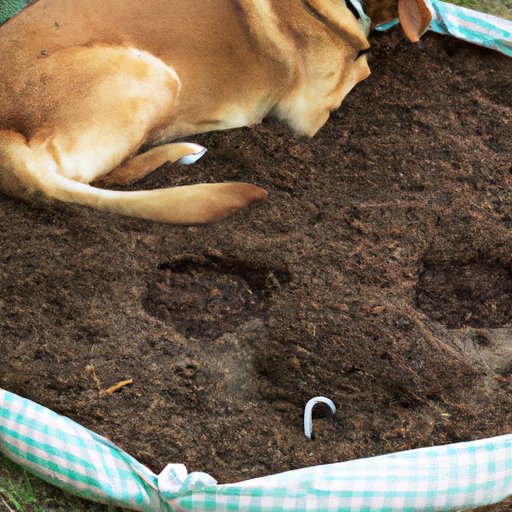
<point x="378" y="273"/>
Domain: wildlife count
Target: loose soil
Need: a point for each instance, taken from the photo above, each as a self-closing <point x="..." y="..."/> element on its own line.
<point x="378" y="273"/>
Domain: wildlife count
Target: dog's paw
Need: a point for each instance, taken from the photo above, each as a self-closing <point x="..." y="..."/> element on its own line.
<point x="143" y="164"/>
<point x="192" y="158"/>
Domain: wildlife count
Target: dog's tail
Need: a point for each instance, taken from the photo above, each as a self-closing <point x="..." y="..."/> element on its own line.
<point x="23" y="173"/>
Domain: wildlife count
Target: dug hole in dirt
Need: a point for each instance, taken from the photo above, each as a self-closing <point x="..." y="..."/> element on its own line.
<point x="378" y="273"/>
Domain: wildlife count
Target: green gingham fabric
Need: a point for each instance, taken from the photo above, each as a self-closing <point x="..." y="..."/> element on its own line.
<point x="8" y="8"/>
<point x="445" y="478"/>
<point x="472" y="26"/>
<point x="73" y="458"/>
<point x="468" y="25"/>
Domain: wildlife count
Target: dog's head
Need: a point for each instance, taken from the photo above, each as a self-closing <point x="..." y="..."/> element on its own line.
<point x="329" y="53"/>
<point x="331" y="44"/>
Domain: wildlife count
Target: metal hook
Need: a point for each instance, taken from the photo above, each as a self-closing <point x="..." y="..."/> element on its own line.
<point x="308" y="413"/>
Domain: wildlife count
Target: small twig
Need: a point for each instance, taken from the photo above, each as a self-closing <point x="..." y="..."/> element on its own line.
<point x="90" y="368"/>
<point x="9" y="508"/>
<point x="112" y="389"/>
<point x="120" y="385"/>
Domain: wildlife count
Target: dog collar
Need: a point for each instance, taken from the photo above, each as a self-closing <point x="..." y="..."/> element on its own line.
<point x="364" y="21"/>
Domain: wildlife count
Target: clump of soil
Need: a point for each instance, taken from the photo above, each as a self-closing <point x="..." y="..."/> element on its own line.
<point x="377" y="273"/>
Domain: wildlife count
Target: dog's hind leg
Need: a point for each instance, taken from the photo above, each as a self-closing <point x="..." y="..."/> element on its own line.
<point x="97" y="105"/>
<point x="143" y="164"/>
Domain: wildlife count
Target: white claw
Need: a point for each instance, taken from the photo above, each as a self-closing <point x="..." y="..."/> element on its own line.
<point x="308" y="413"/>
<point x="194" y="157"/>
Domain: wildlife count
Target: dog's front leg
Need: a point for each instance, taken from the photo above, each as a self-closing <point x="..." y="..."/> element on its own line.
<point x="143" y="164"/>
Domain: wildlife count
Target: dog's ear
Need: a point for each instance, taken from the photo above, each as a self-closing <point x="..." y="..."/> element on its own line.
<point x="415" y="17"/>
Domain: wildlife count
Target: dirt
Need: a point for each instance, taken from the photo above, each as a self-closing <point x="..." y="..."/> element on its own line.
<point x="378" y="273"/>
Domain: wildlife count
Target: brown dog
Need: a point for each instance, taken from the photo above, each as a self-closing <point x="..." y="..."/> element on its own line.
<point x="84" y="85"/>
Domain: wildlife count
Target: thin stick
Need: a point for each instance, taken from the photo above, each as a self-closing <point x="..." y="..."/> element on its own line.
<point x="6" y="504"/>
<point x="120" y="385"/>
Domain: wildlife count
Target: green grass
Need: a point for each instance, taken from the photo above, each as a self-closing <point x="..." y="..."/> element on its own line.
<point x="501" y="8"/>
<point x="22" y="492"/>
